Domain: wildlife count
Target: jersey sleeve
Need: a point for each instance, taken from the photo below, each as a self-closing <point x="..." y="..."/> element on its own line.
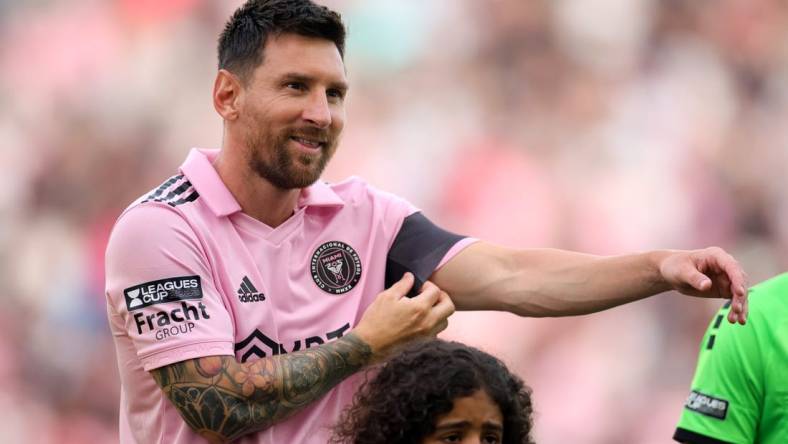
<point x="160" y="289"/>
<point x="727" y="391"/>
<point x="419" y="246"/>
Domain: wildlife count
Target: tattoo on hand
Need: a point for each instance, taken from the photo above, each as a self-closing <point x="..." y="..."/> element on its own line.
<point x="222" y="399"/>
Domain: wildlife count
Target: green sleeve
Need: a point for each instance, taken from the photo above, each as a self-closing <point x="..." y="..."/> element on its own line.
<point x="727" y="390"/>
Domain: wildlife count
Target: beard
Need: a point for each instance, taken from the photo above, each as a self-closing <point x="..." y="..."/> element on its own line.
<point x="284" y="169"/>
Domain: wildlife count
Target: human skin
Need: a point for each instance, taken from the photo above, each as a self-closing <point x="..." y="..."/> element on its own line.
<point x="474" y="419"/>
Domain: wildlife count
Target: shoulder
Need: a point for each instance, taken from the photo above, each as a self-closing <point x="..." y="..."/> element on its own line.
<point x="728" y="346"/>
<point x="175" y="192"/>
<point x="352" y="190"/>
<point x="156" y="220"/>
<point x="768" y="307"/>
<point x="165" y="202"/>
<point x="770" y="296"/>
<point x="144" y="220"/>
<point x="768" y="322"/>
<point x="356" y="191"/>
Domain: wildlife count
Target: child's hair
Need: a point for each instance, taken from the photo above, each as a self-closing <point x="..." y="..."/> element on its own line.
<point x="412" y="389"/>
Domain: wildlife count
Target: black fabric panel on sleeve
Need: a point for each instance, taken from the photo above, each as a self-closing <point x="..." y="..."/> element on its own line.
<point x="419" y="247"/>
<point x="690" y="437"/>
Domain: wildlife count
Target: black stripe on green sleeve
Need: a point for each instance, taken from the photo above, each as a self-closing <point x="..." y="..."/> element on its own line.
<point x="690" y="437"/>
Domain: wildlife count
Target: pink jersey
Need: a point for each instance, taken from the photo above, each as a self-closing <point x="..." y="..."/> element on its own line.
<point x="189" y="275"/>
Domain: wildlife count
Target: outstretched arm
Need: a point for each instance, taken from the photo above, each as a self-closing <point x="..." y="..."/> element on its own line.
<point x="547" y="282"/>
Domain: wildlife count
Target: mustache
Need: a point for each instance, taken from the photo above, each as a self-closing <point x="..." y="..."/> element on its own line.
<point x="311" y="133"/>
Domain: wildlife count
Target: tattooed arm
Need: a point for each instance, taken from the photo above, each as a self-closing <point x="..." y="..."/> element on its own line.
<point x="222" y="399"/>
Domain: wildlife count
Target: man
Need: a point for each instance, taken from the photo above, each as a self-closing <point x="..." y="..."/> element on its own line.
<point x="740" y="390"/>
<point x="249" y="290"/>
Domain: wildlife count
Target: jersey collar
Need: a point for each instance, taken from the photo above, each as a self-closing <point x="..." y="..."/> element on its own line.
<point x="198" y="168"/>
<point x="319" y="194"/>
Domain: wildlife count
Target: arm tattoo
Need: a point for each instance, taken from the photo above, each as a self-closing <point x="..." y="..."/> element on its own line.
<point x="222" y="399"/>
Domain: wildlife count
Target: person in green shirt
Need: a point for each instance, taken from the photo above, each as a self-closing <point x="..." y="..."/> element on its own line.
<point x="740" y="390"/>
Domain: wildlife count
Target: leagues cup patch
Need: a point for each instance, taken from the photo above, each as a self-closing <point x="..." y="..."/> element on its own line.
<point x="707" y="405"/>
<point x="336" y="267"/>
<point x="164" y="290"/>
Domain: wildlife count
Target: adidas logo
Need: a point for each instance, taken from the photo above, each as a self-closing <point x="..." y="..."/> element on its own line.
<point x="247" y="292"/>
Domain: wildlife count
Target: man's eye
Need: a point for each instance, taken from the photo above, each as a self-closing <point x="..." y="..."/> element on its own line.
<point x="335" y="94"/>
<point x="298" y="86"/>
<point x="454" y="437"/>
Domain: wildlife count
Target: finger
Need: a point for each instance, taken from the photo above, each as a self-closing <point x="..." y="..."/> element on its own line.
<point x="735" y="274"/>
<point x="428" y="295"/>
<point x="439" y="293"/>
<point x="741" y="302"/>
<point x="723" y="285"/>
<point x="736" y="313"/>
<point x="746" y="310"/>
<point x="733" y="317"/>
<point x="742" y="314"/>
<point x="734" y="279"/>
<point x="402" y="286"/>
<point x="444" y="307"/>
<point x="737" y="308"/>
<point x="694" y="278"/>
<point x="442" y="325"/>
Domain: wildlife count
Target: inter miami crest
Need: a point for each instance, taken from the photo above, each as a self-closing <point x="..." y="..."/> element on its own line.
<point x="336" y="267"/>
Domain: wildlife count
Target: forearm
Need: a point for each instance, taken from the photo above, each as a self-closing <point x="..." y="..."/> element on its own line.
<point x="547" y="282"/>
<point x="222" y="399"/>
<point x="563" y="283"/>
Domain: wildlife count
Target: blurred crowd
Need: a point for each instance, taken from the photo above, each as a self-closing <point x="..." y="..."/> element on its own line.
<point x="605" y="126"/>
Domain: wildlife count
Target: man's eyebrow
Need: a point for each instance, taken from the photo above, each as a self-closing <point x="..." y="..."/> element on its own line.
<point x="299" y="77"/>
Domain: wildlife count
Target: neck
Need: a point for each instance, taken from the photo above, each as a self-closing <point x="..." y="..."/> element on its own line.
<point x="257" y="197"/>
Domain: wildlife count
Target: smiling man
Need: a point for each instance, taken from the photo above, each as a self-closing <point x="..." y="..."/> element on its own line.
<point x="244" y="294"/>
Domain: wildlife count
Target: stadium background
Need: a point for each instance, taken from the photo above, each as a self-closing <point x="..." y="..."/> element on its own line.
<point x="604" y="126"/>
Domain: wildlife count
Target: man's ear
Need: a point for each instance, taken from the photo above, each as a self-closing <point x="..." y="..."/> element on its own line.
<point x="226" y="94"/>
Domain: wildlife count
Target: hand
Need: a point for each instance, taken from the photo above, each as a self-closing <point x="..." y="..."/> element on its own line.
<point x="393" y="319"/>
<point x="708" y="273"/>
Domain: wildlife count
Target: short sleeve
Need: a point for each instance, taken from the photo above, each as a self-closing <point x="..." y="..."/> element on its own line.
<point x="420" y="247"/>
<point x="161" y="291"/>
<point x="727" y="391"/>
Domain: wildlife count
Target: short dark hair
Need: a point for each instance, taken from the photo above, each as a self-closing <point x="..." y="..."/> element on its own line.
<point x="243" y="39"/>
<point x="415" y="387"/>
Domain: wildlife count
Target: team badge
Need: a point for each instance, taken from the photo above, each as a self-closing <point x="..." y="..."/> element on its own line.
<point x="336" y="267"/>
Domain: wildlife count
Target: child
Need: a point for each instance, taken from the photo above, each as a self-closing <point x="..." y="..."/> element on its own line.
<point x="438" y="392"/>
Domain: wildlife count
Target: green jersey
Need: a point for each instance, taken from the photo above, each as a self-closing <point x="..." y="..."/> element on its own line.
<point x="740" y="390"/>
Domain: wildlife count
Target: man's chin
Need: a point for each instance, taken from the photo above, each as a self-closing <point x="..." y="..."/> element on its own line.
<point x="292" y="173"/>
<point x="306" y="172"/>
<point x="298" y="183"/>
<point x="302" y="179"/>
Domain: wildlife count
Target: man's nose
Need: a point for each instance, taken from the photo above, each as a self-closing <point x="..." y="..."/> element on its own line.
<point x="317" y="110"/>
